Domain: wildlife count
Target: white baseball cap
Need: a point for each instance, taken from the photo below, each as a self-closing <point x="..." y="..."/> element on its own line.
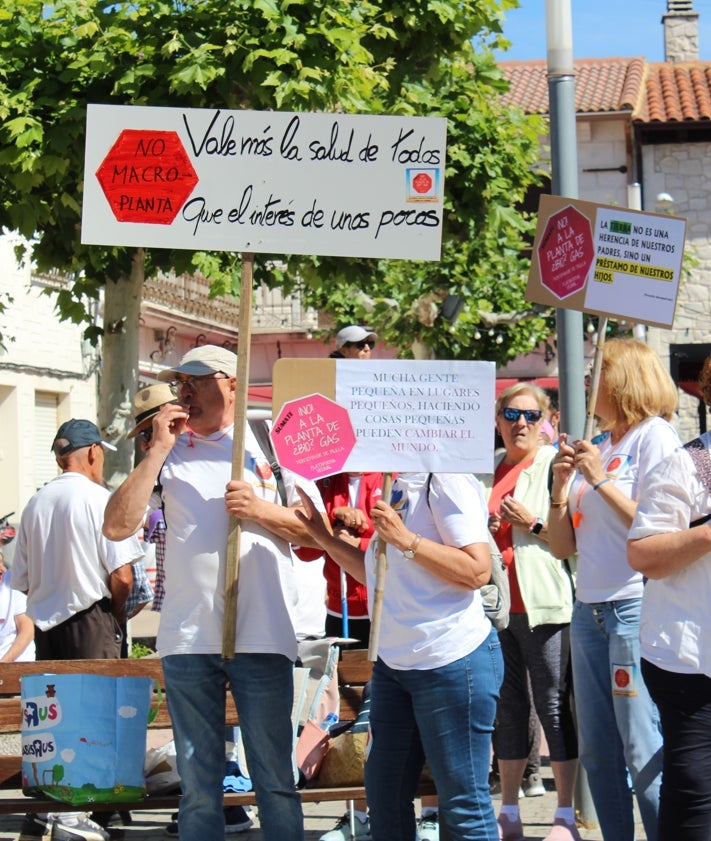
<point x="354" y="333"/>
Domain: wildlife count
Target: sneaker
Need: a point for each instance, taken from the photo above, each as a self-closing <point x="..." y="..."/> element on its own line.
<point x="563" y="831"/>
<point x="495" y="787"/>
<point x="236" y="820"/>
<point x="342" y="830"/>
<point x="532" y="786"/>
<point x="171" y="829"/>
<point x="510" y="830"/>
<point x="83" y="830"/>
<point x="107" y="819"/>
<point x="428" y="827"/>
<point x="35" y="828"/>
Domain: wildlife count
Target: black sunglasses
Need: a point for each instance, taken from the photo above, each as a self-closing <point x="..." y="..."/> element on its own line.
<point x="531" y="415"/>
<point x="362" y="345"/>
<point x="146" y="434"/>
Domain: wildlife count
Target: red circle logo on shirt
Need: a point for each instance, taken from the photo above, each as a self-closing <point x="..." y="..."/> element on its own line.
<point x="264" y="470"/>
<point x="622" y="678"/>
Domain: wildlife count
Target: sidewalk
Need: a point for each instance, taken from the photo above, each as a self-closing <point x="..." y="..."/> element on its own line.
<point x="536" y="814"/>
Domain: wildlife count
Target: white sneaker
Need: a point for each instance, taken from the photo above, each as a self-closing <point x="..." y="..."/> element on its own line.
<point x="532" y="786"/>
<point x="83" y="830"/>
<point x="428" y="827"/>
<point x="342" y="830"/>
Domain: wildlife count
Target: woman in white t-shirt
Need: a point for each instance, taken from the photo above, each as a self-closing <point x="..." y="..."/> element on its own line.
<point x="618" y="724"/>
<point x="436" y="681"/>
<point x="17" y="631"/>
<point x="670" y="543"/>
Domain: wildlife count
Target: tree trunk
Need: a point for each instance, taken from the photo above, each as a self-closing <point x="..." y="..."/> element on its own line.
<point x="119" y="369"/>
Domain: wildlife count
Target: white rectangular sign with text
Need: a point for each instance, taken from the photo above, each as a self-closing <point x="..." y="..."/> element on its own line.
<point x="418" y="415"/>
<point x="264" y="181"/>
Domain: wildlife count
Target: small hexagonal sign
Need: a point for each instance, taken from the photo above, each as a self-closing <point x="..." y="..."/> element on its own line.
<point x="565" y="252"/>
<point x="313" y="436"/>
<point x="147" y="176"/>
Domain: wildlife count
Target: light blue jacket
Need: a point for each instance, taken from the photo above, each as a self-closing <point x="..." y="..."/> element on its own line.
<point x="547" y="584"/>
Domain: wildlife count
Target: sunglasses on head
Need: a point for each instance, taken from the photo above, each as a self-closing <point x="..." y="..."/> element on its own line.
<point x="362" y="345"/>
<point x="531" y="415"/>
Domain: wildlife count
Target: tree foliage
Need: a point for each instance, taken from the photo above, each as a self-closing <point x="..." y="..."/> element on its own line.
<point x="425" y="57"/>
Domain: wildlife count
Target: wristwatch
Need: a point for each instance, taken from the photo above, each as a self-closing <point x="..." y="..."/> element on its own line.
<point x="409" y="553"/>
<point x="536" y="526"/>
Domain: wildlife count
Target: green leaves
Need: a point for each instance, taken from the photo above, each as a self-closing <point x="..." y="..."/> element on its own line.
<point x="411" y="58"/>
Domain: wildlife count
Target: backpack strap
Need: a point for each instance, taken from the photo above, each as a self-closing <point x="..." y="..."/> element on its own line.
<point x="261" y="433"/>
<point x="496" y="595"/>
<point x="702" y="462"/>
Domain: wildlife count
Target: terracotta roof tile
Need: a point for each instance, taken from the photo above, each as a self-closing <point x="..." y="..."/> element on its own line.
<point x="677" y="93"/>
<point x="660" y="92"/>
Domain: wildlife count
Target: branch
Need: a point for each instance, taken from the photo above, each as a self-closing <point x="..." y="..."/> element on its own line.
<point x="494" y="319"/>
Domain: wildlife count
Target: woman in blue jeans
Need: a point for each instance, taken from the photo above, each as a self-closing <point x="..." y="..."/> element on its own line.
<point x="436" y="681"/>
<point x="619" y="735"/>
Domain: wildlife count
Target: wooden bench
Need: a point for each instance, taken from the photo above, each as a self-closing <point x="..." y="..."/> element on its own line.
<point x="354" y="671"/>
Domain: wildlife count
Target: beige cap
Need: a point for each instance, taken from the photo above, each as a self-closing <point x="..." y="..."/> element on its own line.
<point x="146" y="404"/>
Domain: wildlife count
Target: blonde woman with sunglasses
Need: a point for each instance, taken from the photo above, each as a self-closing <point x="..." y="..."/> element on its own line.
<point x="536" y="643"/>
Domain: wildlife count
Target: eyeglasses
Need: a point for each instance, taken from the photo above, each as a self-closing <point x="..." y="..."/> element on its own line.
<point x="513" y="415"/>
<point x="196" y="383"/>
<point x="362" y="345"/>
<point x="146" y="434"/>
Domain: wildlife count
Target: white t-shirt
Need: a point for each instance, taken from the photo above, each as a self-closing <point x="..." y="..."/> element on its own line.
<point x="62" y="560"/>
<point x="309" y="613"/>
<point x="601" y="537"/>
<point x="426" y="622"/>
<point x="675" y="625"/>
<point x="12" y="604"/>
<point x="193" y="479"/>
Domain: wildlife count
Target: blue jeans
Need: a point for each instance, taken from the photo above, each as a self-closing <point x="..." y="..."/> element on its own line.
<point x="618" y="723"/>
<point x="446" y="714"/>
<point x="262" y="686"/>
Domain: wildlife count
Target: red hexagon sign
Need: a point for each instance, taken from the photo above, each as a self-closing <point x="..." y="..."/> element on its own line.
<point x="147" y="176"/>
<point x="313" y="436"/>
<point x="566" y="252"/>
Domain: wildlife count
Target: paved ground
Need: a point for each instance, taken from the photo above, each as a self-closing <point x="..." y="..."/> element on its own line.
<point x="536" y="812"/>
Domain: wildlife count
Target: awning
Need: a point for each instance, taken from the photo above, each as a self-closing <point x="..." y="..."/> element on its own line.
<point x="259" y="394"/>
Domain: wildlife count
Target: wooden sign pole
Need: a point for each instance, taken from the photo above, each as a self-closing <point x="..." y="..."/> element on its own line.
<point x="381" y="567"/>
<point x="244" y="339"/>
<point x="595" y="377"/>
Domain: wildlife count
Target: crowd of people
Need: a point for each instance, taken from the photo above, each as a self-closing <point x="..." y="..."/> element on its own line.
<point x="607" y="550"/>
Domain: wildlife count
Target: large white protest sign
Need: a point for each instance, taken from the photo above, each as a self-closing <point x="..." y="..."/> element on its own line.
<point x="264" y="182"/>
<point x="406" y="415"/>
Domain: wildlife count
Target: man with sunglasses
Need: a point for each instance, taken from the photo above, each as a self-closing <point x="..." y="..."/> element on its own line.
<point x="354" y="342"/>
<point x="187" y="470"/>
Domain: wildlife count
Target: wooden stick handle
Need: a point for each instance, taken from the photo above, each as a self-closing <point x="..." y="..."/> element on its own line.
<point x="244" y="337"/>
<point x="381" y="567"/>
<point x="595" y="377"/>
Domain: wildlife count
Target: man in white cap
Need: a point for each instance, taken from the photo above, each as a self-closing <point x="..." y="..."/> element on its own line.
<point x="76" y="581"/>
<point x="191" y="458"/>
<point x="354" y="342"/>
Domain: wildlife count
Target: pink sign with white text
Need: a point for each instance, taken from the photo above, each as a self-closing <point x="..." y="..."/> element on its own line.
<point x="313" y="436"/>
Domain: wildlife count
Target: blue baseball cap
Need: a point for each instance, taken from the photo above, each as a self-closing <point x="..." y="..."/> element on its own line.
<point x="75" y="434"/>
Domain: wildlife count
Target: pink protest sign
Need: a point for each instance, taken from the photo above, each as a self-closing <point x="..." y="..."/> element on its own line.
<point x="313" y="436"/>
<point x="565" y="252"/>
